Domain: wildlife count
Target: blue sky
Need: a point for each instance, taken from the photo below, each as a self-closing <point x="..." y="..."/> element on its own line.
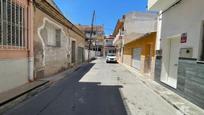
<point x="107" y="11"/>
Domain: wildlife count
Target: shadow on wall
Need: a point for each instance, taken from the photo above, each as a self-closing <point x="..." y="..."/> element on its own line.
<point x="71" y="97"/>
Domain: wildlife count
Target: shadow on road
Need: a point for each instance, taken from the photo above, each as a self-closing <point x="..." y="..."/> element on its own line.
<point x="71" y="97"/>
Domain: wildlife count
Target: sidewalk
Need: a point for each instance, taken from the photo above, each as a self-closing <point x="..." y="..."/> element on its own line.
<point x="178" y="102"/>
<point x="14" y="96"/>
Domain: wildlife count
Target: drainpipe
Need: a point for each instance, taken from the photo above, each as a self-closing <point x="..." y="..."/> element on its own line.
<point x="30" y="41"/>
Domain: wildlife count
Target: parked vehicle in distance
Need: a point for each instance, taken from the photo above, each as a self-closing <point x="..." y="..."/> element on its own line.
<point x="111" y="58"/>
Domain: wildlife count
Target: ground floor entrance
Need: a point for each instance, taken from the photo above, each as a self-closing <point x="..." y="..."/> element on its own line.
<point x="170" y="61"/>
<point x="140" y="54"/>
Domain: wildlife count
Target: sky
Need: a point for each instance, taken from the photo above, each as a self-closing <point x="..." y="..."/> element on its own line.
<point x="107" y="11"/>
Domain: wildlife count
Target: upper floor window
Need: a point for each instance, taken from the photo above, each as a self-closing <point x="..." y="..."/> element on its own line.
<point x="12" y="24"/>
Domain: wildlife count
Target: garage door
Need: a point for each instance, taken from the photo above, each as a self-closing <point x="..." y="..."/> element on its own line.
<point x="136" y="58"/>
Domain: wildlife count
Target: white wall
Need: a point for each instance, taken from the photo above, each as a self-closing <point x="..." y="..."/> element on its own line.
<point x="159" y="27"/>
<point x="185" y="17"/>
<point x="108" y="42"/>
<point x="136" y="22"/>
<point x="13" y="73"/>
<point x="92" y="54"/>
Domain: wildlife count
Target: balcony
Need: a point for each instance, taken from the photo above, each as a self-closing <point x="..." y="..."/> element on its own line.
<point x="157" y="5"/>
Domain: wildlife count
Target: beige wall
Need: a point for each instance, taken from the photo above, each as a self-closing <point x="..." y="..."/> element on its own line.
<point x="142" y="43"/>
<point x="50" y="60"/>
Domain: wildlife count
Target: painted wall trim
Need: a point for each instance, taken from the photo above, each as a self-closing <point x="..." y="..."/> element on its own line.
<point x="41" y="38"/>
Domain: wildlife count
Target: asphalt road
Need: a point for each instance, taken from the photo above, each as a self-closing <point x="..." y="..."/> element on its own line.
<point x="72" y="97"/>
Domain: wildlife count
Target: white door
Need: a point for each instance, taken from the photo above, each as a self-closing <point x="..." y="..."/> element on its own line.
<point x="173" y="62"/>
<point x="170" y="62"/>
<point x="136" y="59"/>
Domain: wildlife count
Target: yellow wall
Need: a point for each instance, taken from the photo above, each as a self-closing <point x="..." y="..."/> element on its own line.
<point x="140" y="43"/>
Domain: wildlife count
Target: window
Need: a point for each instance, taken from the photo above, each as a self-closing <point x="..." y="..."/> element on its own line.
<point x="58" y="37"/>
<point x="54" y="36"/>
<point x="12" y="24"/>
<point x="51" y="39"/>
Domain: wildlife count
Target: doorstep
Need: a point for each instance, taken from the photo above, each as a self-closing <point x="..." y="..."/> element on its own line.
<point x="178" y="102"/>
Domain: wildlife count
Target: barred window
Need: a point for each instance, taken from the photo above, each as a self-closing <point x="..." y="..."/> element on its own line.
<point x="12" y="24"/>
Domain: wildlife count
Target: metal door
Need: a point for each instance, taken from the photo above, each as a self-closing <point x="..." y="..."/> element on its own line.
<point x="136" y="58"/>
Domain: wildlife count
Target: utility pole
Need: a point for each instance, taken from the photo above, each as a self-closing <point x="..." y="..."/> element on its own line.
<point x="90" y="39"/>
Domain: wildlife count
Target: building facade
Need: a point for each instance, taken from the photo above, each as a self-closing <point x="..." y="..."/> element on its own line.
<point x="109" y="48"/>
<point x="118" y="41"/>
<point x="140" y="54"/>
<point x="180" y="47"/>
<point x="58" y="44"/>
<point x="96" y="41"/>
<point x="135" y="36"/>
<point x="15" y="43"/>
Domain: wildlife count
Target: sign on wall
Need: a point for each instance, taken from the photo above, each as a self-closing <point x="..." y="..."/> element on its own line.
<point x="184" y="38"/>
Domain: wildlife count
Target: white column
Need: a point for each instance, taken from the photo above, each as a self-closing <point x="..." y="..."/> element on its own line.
<point x="159" y="28"/>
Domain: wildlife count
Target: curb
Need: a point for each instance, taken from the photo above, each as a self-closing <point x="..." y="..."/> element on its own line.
<point x="19" y="95"/>
<point x="168" y="100"/>
<point x="17" y="99"/>
<point x="12" y="102"/>
<point x="125" y="103"/>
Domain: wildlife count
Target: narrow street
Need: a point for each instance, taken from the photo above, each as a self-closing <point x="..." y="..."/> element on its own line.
<point x="57" y="57"/>
<point x="96" y="89"/>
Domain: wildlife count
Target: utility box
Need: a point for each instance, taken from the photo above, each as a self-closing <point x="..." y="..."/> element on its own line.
<point x="186" y="52"/>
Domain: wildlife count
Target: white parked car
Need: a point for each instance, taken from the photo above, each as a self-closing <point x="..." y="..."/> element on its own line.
<point x="111" y="58"/>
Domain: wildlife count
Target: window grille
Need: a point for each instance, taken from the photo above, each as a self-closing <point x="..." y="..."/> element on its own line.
<point x="13" y="29"/>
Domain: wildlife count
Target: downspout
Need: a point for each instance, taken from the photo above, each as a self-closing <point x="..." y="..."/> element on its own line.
<point x="30" y="42"/>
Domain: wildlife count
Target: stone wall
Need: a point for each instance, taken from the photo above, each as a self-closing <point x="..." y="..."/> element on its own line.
<point x="190" y="83"/>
